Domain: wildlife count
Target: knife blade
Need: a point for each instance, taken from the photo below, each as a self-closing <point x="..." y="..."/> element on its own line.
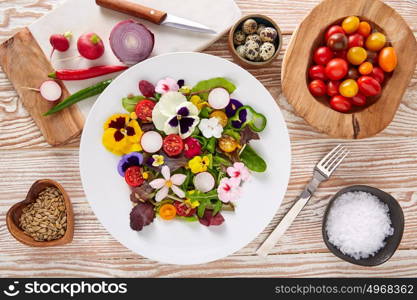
<point x="153" y="15"/>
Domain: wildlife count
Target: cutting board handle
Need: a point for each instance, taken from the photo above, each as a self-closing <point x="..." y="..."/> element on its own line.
<point x="134" y="9"/>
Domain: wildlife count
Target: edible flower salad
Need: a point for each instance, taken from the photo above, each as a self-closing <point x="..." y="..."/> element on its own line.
<point x="185" y="151"/>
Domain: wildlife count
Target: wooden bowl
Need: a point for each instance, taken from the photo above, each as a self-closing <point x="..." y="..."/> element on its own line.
<point x="391" y="243"/>
<point x="14" y="213"/>
<point x="373" y="118"/>
<point x="260" y="19"/>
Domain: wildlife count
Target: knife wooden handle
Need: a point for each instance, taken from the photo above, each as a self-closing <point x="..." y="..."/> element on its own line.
<point x="134" y="9"/>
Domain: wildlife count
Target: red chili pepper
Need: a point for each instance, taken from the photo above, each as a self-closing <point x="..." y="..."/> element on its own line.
<point x="85" y="73"/>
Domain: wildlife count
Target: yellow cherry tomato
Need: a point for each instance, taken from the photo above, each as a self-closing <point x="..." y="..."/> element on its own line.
<point x="348" y="88"/>
<point x="221" y="116"/>
<point x="387" y="59"/>
<point x="356" y="55"/>
<point x="228" y="144"/>
<point x="364" y="29"/>
<point x="350" y="24"/>
<point x="167" y="211"/>
<point x="376" y="41"/>
<point x="366" y="68"/>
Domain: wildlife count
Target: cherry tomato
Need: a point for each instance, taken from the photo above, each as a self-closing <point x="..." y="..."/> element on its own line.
<point x="355" y="40"/>
<point x="364" y="28"/>
<point x="352" y="73"/>
<point x="167" y="211"/>
<point x="221" y="116"/>
<point x="372" y="57"/>
<point x="387" y="59"/>
<point x="378" y="74"/>
<point x="228" y="144"/>
<point x="340" y="54"/>
<point x="332" y="30"/>
<point x="322" y="55"/>
<point x="366" y="68"/>
<point x="337" y="42"/>
<point x="350" y="24"/>
<point x="348" y="88"/>
<point x="340" y="103"/>
<point x="133" y="176"/>
<point x="376" y="41"/>
<point x="183" y="209"/>
<point x="333" y="88"/>
<point x="356" y="55"/>
<point x="317" y="72"/>
<point x="336" y="69"/>
<point x="144" y="110"/>
<point x="173" y="145"/>
<point x="358" y="100"/>
<point x="369" y="86"/>
<point x="317" y="87"/>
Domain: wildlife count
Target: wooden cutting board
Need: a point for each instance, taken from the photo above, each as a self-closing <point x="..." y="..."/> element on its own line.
<point x="24" y="57"/>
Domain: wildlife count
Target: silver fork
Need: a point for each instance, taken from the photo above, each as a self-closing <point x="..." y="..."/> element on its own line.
<point x="322" y="171"/>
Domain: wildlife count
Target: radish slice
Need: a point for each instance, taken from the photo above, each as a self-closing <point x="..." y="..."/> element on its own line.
<point x="50" y="90"/>
<point x="151" y="141"/>
<point x="204" y="182"/>
<point x="219" y="98"/>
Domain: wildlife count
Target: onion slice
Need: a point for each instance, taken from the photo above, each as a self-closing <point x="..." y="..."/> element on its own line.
<point x="131" y="42"/>
<point x="50" y="90"/>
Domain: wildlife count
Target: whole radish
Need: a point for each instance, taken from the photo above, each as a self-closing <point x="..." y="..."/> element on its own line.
<point x="60" y="42"/>
<point x="90" y="46"/>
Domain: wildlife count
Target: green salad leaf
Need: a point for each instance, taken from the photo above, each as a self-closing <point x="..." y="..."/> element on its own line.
<point x="129" y="103"/>
<point x="252" y="160"/>
<point x="212" y="83"/>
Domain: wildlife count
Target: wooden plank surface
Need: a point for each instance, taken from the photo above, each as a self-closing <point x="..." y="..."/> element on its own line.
<point x="387" y="161"/>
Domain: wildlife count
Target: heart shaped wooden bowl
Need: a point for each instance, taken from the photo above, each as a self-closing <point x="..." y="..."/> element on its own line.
<point x="373" y="118"/>
<point x="14" y="213"/>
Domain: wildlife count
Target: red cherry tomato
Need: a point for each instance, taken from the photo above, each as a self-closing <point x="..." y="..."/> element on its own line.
<point x="341" y="54"/>
<point x="355" y="40"/>
<point x="378" y="74"/>
<point x="183" y="209"/>
<point x="340" y="103"/>
<point x="144" y="110"/>
<point x="369" y="86"/>
<point x="322" y="55"/>
<point x="133" y="176"/>
<point x="332" y="30"/>
<point x="333" y="88"/>
<point x="336" y="69"/>
<point x="173" y="145"/>
<point x="317" y="87"/>
<point x="358" y="100"/>
<point x="317" y="72"/>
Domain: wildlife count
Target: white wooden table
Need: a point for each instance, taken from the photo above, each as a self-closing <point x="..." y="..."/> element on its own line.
<point x="387" y="161"/>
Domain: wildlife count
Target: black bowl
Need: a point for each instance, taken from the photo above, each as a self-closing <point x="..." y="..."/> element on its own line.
<point x="391" y="243"/>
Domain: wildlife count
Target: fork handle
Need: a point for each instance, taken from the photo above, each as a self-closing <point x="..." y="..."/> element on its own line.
<point x="285" y="223"/>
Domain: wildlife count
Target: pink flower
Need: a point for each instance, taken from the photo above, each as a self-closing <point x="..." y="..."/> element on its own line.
<point x="238" y="171"/>
<point x="229" y="189"/>
<point x="167" y="183"/>
<point x="166" y="85"/>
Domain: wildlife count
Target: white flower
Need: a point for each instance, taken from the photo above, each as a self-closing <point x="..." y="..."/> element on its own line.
<point x="167" y="183"/>
<point x="211" y="127"/>
<point x="174" y="114"/>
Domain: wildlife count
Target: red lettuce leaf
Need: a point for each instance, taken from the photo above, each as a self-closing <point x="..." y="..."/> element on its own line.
<point x="209" y="220"/>
<point x="141" y="215"/>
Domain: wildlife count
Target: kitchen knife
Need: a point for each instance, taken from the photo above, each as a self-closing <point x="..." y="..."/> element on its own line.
<point x="153" y="15"/>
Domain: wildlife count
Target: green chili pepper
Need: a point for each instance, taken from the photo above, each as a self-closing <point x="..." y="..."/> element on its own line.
<point x="80" y="95"/>
<point x="252" y="119"/>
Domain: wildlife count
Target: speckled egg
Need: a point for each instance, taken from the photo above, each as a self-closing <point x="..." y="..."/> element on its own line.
<point x="249" y="26"/>
<point x="239" y="37"/>
<point x="260" y="28"/>
<point x="266" y="51"/>
<point x="252" y="50"/>
<point x="254" y="37"/>
<point x="268" y="34"/>
<point x="241" y="50"/>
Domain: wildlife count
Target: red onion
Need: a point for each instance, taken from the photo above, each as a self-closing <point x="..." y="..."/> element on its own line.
<point x="131" y="42"/>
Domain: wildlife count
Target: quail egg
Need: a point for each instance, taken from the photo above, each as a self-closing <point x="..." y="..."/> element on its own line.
<point x="249" y="26"/>
<point x="241" y="50"/>
<point x="268" y="34"/>
<point x="252" y="50"/>
<point x="260" y="28"/>
<point x="239" y="37"/>
<point x="254" y="37"/>
<point x="266" y="51"/>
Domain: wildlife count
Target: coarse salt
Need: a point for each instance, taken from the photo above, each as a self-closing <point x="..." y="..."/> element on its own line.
<point x="358" y="224"/>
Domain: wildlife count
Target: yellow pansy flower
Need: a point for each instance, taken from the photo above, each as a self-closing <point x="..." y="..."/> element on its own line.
<point x="198" y="102"/>
<point x="199" y="164"/>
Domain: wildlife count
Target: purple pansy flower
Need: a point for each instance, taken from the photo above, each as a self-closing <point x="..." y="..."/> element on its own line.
<point x="129" y="160"/>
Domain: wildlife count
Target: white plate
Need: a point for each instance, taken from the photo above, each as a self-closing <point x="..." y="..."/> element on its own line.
<point x="179" y="242"/>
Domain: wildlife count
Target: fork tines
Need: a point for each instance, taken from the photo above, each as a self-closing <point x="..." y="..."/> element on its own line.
<point x="332" y="160"/>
